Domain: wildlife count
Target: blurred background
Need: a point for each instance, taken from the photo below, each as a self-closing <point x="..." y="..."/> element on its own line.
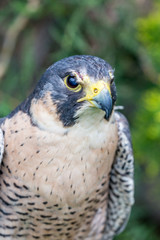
<point x="36" y="33"/>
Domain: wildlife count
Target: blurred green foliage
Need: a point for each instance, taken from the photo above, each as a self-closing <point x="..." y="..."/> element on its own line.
<point x="126" y="34"/>
<point x="147" y="132"/>
<point x="149" y="34"/>
<point x="138" y="228"/>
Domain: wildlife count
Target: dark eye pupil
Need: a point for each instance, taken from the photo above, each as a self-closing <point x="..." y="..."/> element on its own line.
<point x="72" y="82"/>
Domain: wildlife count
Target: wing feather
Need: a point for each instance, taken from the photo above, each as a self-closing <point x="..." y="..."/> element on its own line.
<point x="121" y="185"/>
<point x="1" y="145"/>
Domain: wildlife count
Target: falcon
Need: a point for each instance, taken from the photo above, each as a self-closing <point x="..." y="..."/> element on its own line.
<point x="66" y="157"/>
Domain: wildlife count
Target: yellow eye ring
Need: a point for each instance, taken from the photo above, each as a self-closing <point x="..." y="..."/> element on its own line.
<point x="72" y="84"/>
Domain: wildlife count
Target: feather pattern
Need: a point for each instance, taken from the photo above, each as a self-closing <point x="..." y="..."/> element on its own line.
<point x="65" y="164"/>
<point x="1" y="145"/>
<point x="121" y="186"/>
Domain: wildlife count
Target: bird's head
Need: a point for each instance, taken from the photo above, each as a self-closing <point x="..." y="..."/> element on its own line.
<point x="73" y="86"/>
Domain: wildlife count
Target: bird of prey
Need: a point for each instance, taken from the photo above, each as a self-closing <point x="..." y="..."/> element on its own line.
<point x="66" y="157"/>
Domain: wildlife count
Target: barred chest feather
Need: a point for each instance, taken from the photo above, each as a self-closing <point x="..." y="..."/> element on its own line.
<point x="54" y="183"/>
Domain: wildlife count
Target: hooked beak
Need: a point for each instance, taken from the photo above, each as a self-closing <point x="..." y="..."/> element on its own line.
<point x="99" y="95"/>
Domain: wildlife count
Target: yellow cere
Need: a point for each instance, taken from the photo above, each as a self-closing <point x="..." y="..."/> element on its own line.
<point x="93" y="89"/>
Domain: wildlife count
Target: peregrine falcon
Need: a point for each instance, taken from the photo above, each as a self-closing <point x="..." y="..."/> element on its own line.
<point x="66" y="157"/>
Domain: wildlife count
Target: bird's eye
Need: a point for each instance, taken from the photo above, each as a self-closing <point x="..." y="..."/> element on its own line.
<point x="72" y="84"/>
